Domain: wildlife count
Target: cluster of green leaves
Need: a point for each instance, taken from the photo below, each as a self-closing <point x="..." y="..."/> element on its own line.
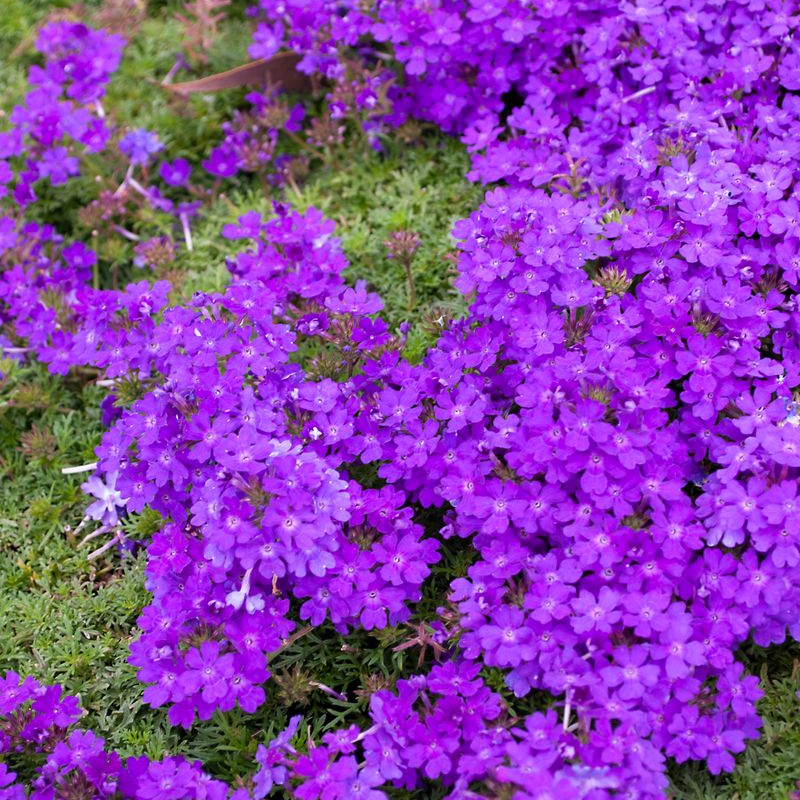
<point x="67" y="620"/>
<point x="63" y="618"/>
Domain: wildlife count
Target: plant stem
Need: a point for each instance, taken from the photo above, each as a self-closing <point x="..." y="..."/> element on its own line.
<point x="412" y="289"/>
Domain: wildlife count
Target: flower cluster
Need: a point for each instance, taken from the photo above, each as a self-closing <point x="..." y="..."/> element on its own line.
<point x="38" y="722"/>
<point x="54" y="128"/>
<point x="78" y="60"/>
<point x="244" y="453"/>
<point x="613" y="428"/>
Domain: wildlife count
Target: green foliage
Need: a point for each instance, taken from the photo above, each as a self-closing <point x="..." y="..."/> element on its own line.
<point x="418" y="188"/>
<point x="61" y="617"/>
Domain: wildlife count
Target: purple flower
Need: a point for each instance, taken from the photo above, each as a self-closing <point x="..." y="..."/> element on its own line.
<point x="679" y="652"/>
<point x="631" y="673"/>
<point x="221" y="162"/>
<point x="208" y="672"/>
<point x="595" y="612"/>
<point x="272" y="771"/>
<point x="109" y="499"/>
<point x="57" y="165"/>
<point x="507" y="642"/>
<point x="175" y="173"/>
<point x="140" y="145"/>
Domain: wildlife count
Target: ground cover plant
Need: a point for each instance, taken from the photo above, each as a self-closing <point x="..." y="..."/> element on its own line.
<point x="434" y="433"/>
